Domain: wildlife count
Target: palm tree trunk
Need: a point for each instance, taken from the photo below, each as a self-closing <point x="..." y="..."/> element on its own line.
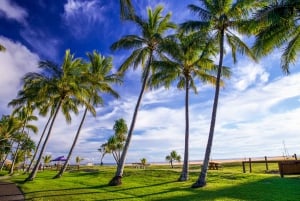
<point x="101" y="161"/>
<point x="38" y="146"/>
<point x="63" y="169"/>
<point x="202" y="177"/>
<point x="185" y="168"/>
<point x="33" y="173"/>
<point x="117" y="179"/>
<point x="11" y="171"/>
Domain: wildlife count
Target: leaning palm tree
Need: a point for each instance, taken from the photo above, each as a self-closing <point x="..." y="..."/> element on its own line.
<point x="144" y="48"/>
<point x="220" y="18"/>
<point x="63" y="91"/>
<point x="24" y="114"/>
<point x="9" y="128"/>
<point x="187" y="60"/>
<point x="278" y="26"/>
<point x="98" y="80"/>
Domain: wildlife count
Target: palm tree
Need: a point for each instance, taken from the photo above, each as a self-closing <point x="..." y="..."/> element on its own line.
<point x="219" y="18"/>
<point x="188" y="59"/>
<point x="26" y="148"/>
<point x="46" y="160"/>
<point x="103" y="150"/>
<point x="173" y="157"/>
<point x="24" y="115"/>
<point x="97" y="79"/>
<point x="115" y="143"/>
<point x="144" y="47"/>
<point x="277" y="25"/>
<point x="62" y="90"/>
<point x="78" y="160"/>
<point x="9" y="129"/>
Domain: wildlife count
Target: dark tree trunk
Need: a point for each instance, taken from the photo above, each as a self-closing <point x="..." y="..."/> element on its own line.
<point x="33" y="173"/>
<point x="202" y="177"/>
<point x="64" y="167"/>
<point x="11" y="170"/>
<point x="117" y="179"/>
<point x="185" y="168"/>
<point x="38" y="146"/>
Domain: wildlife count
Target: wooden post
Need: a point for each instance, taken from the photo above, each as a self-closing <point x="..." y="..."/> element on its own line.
<point x="250" y="165"/>
<point x="244" y="169"/>
<point x="267" y="167"/>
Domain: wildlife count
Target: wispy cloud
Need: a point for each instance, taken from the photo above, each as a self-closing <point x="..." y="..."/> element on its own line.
<point x="42" y="42"/>
<point x="12" y="11"/>
<point x="81" y="16"/>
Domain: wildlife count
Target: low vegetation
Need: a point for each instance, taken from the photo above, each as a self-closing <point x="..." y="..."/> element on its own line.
<point x="159" y="182"/>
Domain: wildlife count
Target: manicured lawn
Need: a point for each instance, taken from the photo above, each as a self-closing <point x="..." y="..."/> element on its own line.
<point x="160" y="183"/>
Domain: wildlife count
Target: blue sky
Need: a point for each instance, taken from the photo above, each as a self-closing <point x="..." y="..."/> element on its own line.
<point x="258" y="108"/>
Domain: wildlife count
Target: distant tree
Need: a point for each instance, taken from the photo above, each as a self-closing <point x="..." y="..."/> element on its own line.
<point x="144" y="162"/>
<point x="46" y="160"/>
<point x="115" y="143"/>
<point x="173" y="157"/>
<point x="78" y="160"/>
<point x="103" y="150"/>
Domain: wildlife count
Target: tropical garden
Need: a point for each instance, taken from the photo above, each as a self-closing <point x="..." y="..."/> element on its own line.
<point x="167" y="54"/>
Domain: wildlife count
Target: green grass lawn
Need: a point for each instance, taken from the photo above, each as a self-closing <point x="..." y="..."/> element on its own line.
<point x="160" y="183"/>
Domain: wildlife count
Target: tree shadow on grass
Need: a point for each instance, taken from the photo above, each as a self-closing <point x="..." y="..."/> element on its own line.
<point x="270" y="189"/>
<point x="95" y="190"/>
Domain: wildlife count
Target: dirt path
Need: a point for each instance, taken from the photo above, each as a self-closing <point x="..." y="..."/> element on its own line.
<point x="10" y="192"/>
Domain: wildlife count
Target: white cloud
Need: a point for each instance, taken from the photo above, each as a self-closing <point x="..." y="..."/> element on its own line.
<point x="248" y="74"/>
<point x="12" y="11"/>
<point x="15" y="62"/>
<point x="80" y="16"/>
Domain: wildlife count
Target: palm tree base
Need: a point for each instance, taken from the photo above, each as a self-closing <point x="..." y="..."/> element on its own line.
<point x="28" y="179"/>
<point x="183" y="177"/>
<point x="199" y="184"/>
<point x="116" y="181"/>
<point x="57" y="176"/>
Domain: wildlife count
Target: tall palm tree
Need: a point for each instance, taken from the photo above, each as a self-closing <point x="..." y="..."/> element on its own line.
<point x="144" y="47"/>
<point x="98" y="80"/>
<point x="174" y="156"/>
<point x="220" y="18"/>
<point x="188" y="59"/>
<point x="62" y="90"/>
<point x="278" y="26"/>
